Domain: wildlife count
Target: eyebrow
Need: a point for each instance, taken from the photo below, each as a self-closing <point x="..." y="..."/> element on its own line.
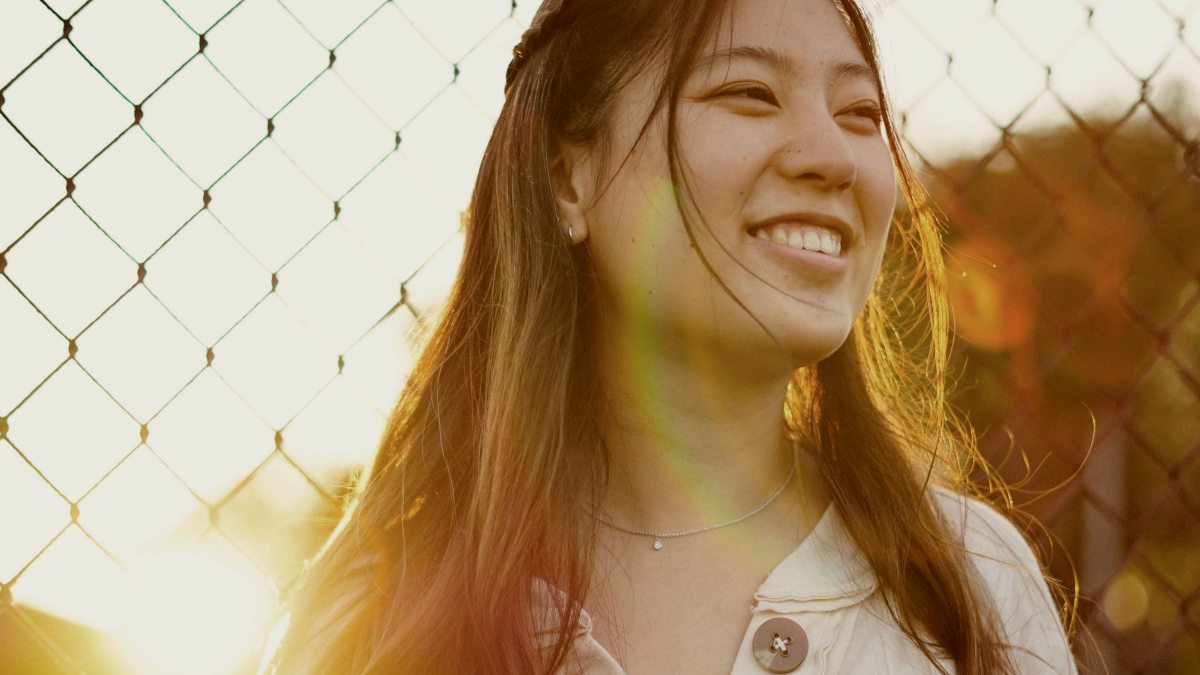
<point x="776" y="60"/>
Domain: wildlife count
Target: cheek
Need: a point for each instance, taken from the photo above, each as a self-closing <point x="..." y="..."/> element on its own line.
<point x="720" y="160"/>
<point x="877" y="186"/>
<point x="636" y="235"/>
<point x="877" y="197"/>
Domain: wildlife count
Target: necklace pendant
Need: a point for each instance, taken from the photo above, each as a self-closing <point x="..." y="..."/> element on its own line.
<point x="657" y="544"/>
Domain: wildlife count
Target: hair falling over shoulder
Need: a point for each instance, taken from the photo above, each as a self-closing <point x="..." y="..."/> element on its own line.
<point x="494" y="445"/>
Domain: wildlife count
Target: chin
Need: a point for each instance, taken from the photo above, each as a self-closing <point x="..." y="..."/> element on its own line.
<point x="791" y="352"/>
<point x="798" y="341"/>
<point x="815" y="345"/>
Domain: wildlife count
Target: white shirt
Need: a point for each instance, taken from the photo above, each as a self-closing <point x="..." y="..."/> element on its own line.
<point x="826" y="586"/>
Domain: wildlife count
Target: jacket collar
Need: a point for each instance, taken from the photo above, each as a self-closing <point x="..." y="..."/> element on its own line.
<point x="827" y="571"/>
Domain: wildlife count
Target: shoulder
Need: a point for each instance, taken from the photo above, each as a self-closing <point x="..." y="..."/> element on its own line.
<point x="999" y="551"/>
<point x="1009" y="572"/>
<point x="984" y="532"/>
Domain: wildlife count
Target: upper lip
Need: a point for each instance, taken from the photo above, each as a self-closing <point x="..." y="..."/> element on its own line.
<point x="849" y="236"/>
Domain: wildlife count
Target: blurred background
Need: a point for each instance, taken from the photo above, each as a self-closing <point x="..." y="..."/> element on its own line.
<point x="223" y="225"/>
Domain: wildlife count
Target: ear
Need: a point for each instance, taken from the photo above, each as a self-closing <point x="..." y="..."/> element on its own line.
<point x="572" y="177"/>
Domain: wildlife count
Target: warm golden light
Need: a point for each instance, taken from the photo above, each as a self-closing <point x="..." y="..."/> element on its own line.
<point x="201" y="344"/>
<point x="195" y="611"/>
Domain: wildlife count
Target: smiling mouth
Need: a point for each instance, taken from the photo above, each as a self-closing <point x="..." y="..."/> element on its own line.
<point x="802" y="236"/>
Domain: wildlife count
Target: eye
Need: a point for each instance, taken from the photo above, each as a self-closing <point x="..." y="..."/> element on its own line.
<point x="754" y="92"/>
<point x="870" y="111"/>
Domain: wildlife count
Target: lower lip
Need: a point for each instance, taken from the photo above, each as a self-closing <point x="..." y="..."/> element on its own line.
<point x="812" y="261"/>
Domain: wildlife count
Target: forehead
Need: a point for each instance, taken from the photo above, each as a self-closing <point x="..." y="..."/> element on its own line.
<point x="788" y="34"/>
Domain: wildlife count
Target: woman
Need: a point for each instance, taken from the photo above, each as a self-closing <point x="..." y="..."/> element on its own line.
<point x="684" y="412"/>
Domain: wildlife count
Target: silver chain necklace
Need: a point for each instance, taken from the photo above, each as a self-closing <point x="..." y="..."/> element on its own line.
<point x="659" y="536"/>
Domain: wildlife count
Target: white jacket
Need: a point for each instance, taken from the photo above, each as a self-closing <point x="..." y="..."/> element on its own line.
<point x="826" y="586"/>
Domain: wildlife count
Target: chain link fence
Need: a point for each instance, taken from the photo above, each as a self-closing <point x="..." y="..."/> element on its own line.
<point x="223" y="224"/>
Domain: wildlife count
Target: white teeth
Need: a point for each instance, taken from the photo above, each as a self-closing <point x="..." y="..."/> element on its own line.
<point x="812" y="240"/>
<point x="806" y="237"/>
<point x="828" y="245"/>
<point x="795" y="239"/>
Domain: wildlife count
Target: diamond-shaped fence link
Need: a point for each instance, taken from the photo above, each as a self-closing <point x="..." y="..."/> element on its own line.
<point x="222" y="225"/>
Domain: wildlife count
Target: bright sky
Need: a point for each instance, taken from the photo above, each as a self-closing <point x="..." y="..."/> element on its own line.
<point x="146" y="567"/>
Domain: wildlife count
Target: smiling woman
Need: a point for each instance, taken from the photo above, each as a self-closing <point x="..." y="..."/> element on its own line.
<point x="779" y="147"/>
<point x="685" y="409"/>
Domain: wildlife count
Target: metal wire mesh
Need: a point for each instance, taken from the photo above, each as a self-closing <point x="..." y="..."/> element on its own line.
<point x="221" y="222"/>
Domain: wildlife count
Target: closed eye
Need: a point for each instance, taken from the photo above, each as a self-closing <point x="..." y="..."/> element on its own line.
<point x="754" y="92"/>
<point x="870" y="111"/>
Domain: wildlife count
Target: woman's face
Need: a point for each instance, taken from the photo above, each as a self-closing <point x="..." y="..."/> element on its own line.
<point x="793" y="189"/>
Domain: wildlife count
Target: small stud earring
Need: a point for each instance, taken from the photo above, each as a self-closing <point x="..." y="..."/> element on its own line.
<point x="571" y="233"/>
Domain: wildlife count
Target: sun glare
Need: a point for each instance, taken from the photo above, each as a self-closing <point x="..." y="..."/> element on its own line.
<point x="195" y="612"/>
<point x="159" y="464"/>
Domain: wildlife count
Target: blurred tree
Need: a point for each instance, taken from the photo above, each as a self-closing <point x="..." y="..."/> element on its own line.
<point x="1075" y="278"/>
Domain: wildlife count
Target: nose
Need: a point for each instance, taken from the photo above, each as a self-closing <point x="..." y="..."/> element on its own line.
<point x="815" y="149"/>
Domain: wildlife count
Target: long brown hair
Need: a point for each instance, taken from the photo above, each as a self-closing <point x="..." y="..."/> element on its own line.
<point x="494" y="442"/>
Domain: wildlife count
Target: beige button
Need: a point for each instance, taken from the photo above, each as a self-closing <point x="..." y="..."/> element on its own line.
<point x="780" y="645"/>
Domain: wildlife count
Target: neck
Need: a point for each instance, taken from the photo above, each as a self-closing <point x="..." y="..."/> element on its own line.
<point x="692" y="441"/>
